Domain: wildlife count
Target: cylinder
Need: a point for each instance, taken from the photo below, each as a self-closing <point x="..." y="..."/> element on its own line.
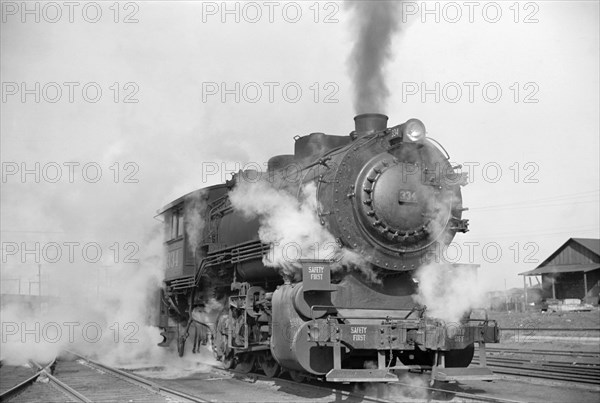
<point x="290" y="343"/>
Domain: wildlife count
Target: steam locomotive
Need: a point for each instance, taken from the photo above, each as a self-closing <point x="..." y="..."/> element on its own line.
<point x="389" y="195"/>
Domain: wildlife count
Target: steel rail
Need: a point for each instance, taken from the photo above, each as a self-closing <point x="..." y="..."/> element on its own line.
<point x="64" y="388"/>
<point x="591" y="354"/>
<point x="579" y="368"/>
<point x="563" y="369"/>
<point x="549" y="329"/>
<point x="18" y="388"/>
<point x="540" y="372"/>
<point x="507" y="370"/>
<point x="475" y="397"/>
<point x="594" y="376"/>
<point x="58" y="384"/>
<point x="574" y="362"/>
<point x="344" y="393"/>
<point x="15" y="390"/>
<point x="139" y="381"/>
<point x="540" y="360"/>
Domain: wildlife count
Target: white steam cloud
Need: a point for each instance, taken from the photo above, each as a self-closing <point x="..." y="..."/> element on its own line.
<point x="449" y="292"/>
<point x="289" y="225"/>
<point x="116" y="327"/>
<point x="375" y="23"/>
<point x="410" y="388"/>
<point x="292" y="227"/>
<point x="195" y="207"/>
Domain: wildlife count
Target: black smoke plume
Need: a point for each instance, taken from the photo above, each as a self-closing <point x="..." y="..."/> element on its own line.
<point x="375" y="23"/>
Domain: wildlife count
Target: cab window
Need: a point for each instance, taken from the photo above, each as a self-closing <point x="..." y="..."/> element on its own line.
<point x="176" y="224"/>
<point x="173" y="226"/>
<point x="180" y="224"/>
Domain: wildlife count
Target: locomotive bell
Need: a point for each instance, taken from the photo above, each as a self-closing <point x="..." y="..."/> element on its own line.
<point x="369" y="122"/>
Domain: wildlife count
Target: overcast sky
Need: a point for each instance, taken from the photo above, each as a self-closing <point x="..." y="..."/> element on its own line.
<point x="541" y="130"/>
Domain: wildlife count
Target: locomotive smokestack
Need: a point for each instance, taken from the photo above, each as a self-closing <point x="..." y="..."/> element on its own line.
<point x="369" y="122"/>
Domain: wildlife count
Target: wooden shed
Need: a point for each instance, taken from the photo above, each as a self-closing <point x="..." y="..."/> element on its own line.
<point x="572" y="271"/>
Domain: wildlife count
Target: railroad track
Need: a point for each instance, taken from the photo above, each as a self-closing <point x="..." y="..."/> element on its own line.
<point x="519" y="363"/>
<point x="144" y="384"/>
<point x="562" y="353"/>
<point x="15" y="379"/>
<point x="411" y="388"/>
<point x="18" y="379"/>
<point x="85" y="380"/>
<point x="465" y="397"/>
<point x="344" y="392"/>
<point x="311" y="385"/>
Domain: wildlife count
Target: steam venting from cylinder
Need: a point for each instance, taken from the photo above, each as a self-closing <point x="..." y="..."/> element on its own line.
<point x="369" y="123"/>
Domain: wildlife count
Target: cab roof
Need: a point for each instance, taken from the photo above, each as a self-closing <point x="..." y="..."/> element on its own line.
<point x="194" y="193"/>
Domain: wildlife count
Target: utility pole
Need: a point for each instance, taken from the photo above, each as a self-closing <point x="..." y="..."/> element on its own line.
<point x="525" y="290"/>
<point x="39" y="279"/>
<point x="505" y="296"/>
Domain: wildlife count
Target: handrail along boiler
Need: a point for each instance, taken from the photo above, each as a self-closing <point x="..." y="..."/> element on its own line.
<point x="391" y="196"/>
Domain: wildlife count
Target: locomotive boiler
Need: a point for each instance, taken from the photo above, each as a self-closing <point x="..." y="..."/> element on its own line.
<point x="390" y="196"/>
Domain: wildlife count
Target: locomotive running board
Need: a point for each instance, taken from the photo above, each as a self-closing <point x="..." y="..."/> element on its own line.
<point x="360" y="375"/>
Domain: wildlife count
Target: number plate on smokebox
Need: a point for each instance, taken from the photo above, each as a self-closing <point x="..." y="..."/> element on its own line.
<point x="407" y="196"/>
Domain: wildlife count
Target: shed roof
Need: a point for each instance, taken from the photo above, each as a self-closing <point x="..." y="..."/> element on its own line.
<point x="561" y="268"/>
<point x="589" y="243"/>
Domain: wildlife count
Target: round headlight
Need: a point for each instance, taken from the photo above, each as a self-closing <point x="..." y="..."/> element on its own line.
<point x="414" y="130"/>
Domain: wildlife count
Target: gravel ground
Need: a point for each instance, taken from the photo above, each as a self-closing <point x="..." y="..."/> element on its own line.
<point x="571" y="320"/>
<point x="531" y="336"/>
